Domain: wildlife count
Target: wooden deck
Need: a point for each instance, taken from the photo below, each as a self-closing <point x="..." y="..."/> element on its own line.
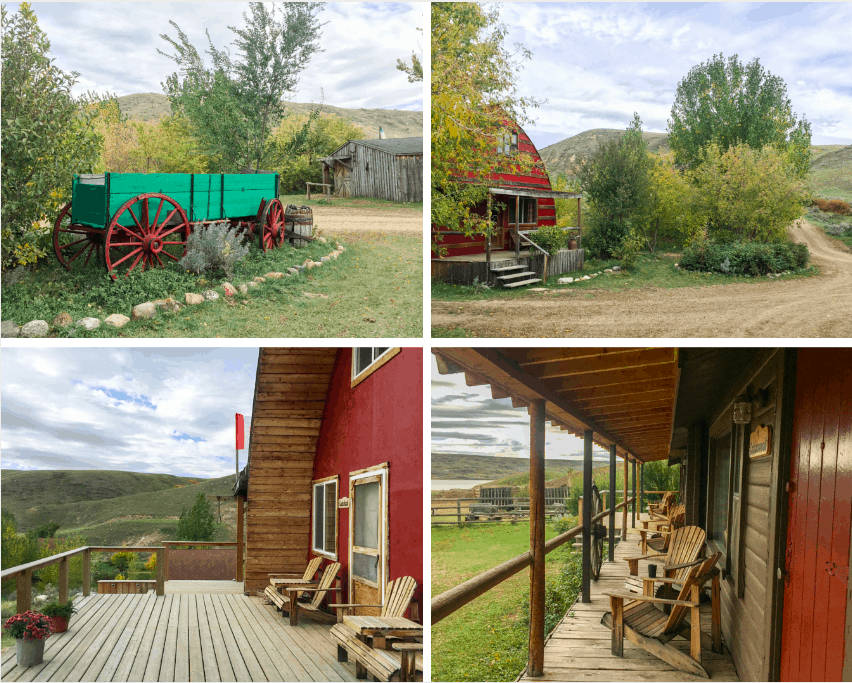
<point x="579" y="647"/>
<point x="183" y="637"/>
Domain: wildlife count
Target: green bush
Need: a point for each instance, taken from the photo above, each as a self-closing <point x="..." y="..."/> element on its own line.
<point x="214" y="249"/>
<point x="550" y="238"/>
<point x="744" y="258"/>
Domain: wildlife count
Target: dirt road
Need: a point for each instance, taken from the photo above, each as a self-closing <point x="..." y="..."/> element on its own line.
<point x="820" y="306"/>
<point x="351" y="222"/>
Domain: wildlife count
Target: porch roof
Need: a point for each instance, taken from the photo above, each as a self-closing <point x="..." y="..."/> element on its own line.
<point x="541" y="194"/>
<point x="625" y="395"/>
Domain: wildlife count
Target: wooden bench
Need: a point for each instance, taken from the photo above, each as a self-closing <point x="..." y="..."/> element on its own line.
<point x="327" y="190"/>
<point x="125" y="586"/>
<point x="380" y="664"/>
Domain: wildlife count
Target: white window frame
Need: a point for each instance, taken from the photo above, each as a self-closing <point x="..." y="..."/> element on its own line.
<point x="314" y="486"/>
<point x="377" y="362"/>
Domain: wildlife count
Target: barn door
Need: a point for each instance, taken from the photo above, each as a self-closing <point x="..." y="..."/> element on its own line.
<point x="819" y="516"/>
<point x="368" y="538"/>
<point x="342" y="185"/>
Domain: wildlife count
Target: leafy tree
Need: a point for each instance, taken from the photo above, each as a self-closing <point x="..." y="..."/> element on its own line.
<point x="566" y="209"/>
<point x="474" y="104"/>
<point x="234" y="105"/>
<point x="658" y="476"/>
<point x="615" y="181"/>
<point x="728" y="103"/>
<point x="413" y="70"/>
<point x="47" y="135"/>
<point x="197" y="523"/>
<point x="745" y="194"/>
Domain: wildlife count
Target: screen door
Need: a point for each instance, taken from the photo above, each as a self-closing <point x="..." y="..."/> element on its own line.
<point x="368" y="539"/>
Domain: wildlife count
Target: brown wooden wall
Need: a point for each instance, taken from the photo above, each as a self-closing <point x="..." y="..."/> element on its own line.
<point x="290" y="395"/>
<point x="382" y="175"/>
<point x="747" y="603"/>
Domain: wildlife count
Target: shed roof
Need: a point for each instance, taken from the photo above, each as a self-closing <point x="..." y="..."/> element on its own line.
<point x="397" y="146"/>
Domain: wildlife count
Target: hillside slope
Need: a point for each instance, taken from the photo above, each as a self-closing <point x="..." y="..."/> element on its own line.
<point x="453" y="466"/>
<point x="562" y="156"/>
<point x="396" y="123"/>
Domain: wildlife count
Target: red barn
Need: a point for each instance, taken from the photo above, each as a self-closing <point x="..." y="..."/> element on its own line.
<point x="521" y="201"/>
<point x="335" y="467"/>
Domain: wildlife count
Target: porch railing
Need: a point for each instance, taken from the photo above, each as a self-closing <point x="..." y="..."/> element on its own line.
<point x="168" y="545"/>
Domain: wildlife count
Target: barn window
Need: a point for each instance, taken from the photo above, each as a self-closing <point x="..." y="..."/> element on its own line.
<point x="366" y="360"/>
<point x="324" y="518"/>
<point x="507" y="143"/>
<point x="528" y="209"/>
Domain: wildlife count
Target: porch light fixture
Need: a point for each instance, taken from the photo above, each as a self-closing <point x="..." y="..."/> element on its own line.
<point x="742" y="413"/>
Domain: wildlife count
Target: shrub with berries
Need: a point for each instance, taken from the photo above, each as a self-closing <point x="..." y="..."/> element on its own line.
<point x="29" y="625"/>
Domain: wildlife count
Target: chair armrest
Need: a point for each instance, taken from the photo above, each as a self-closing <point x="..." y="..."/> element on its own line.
<point x="644" y="557"/>
<point x="624" y="595"/>
<point x="358" y="605"/>
<point x="415" y="647"/>
<point x="681" y="566"/>
<point x="305" y="589"/>
<point x="282" y="575"/>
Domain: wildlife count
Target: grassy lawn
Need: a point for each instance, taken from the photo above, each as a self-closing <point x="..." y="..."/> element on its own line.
<point x="350" y="203"/>
<point x="373" y="290"/>
<point x="649" y="271"/>
<point x="486" y="640"/>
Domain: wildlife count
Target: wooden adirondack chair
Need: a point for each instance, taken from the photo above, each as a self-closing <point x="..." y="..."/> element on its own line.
<point x="289" y="602"/>
<point x="397" y="598"/>
<point x="658" y="539"/>
<point x="637" y="618"/>
<point x="685" y="546"/>
<point x="307" y="578"/>
<point x="660" y="510"/>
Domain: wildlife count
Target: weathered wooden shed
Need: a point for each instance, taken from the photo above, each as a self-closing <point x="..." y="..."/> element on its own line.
<point x="389" y="169"/>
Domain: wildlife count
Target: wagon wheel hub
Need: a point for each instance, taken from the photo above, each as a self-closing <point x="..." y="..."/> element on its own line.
<point x="152" y="244"/>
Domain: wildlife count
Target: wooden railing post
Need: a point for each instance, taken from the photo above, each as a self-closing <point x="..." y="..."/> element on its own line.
<point x="580" y="510"/>
<point x="458" y="511"/>
<point x="63" y="581"/>
<point x="535" y="664"/>
<point x="634" y="493"/>
<point x="87" y="572"/>
<point x="641" y="486"/>
<point x="240" y="535"/>
<point x="586" y="587"/>
<point x="165" y="558"/>
<point x="24" y="586"/>
<point x="611" y="551"/>
<point x="161" y="581"/>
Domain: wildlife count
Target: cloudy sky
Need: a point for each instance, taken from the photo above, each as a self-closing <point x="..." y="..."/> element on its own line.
<point x="159" y="410"/>
<point x="466" y="420"/>
<point x="114" y="47"/>
<point x="598" y="63"/>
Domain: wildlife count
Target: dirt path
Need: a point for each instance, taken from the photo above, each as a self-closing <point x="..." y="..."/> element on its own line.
<point x="359" y="221"/>
<point x="820" y="306"/>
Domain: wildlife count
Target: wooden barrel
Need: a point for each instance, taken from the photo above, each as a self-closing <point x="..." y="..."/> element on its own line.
<point x="572" y="243"/>
<point x="299" y="219"/>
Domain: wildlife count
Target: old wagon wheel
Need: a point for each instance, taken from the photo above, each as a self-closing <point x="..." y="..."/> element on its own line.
<point x="72" y="242"/>
<point x="151" y="238"/>
<point x="271" y="226"/>
<point x="598" y="534"/>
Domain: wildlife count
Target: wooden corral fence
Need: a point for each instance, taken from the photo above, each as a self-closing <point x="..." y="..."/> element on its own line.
<point x="563" y="261"/>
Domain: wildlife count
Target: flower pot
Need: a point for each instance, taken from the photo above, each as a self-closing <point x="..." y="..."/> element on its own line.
<point x="29" y="652"/>
<point x="60" y="624"/>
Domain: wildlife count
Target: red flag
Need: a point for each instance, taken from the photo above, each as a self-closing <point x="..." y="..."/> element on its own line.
<point x="241" y="436"/>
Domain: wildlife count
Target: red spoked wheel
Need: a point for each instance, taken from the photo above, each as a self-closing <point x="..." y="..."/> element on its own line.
<point x="72" y="242"/>
<point x="149" y="239"/>
<point x="272" y="225"/>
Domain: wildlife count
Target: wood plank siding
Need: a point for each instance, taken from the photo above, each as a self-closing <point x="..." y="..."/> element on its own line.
<point x="290" y="396"/>
<point x="383" y="169"/>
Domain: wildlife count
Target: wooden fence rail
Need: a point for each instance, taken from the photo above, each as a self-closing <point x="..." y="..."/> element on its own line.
<point x="449" y="601"/>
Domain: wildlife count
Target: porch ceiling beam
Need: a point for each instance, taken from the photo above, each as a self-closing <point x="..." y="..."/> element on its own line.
<point x="526" y="358"/>
<point x="613" y="362"/>
<point x="616" y="389"/>
<point x="647" y="407"/>
<point x="624" y="399"/>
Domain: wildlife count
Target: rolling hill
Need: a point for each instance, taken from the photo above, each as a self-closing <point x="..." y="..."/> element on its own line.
<point x="396" y="123"/>
<point x="453" y="466"/>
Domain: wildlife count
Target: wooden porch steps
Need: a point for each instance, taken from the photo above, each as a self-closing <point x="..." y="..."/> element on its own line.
<point x="515" y="276"/>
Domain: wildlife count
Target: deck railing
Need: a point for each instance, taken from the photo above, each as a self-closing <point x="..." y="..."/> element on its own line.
<point x="168" y="545"/>
<point x="24" y="572"/>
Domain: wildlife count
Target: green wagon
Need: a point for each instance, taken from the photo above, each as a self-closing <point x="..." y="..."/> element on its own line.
<point x="131" y="220"/>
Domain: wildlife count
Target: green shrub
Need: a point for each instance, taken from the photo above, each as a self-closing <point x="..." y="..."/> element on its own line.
<point x="215" y="248"/>
<point x="138" y="286"/>
<point x="744" y="258"/>
<point x="550" y="238"/>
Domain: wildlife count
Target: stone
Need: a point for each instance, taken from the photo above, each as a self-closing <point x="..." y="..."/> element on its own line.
<point x="243" y="289"/>
<point x="322" y="239"/>
<point x="317" y="264"/>
<point x="167" y="304"/>
<point x="275" y="275"/>
<point x="193" y="299"/>
<point x="334" y="255"/>
<point x="586" y="277"/>
<point x="230" y="290"/>
<point x="10" y="329"/>
<point x="538" y="289"/>
<point x="146" y="310"/>
<point x="293" y="271"/>
<point x="607" y="270"/>
<point x="617" y="269"/>
<point x="325" y="258"/>
<point x="259" y="279"/>
<point x="89" y="323"/>
<point x="565" y="280"/>
<point x="309" y="264"/>
<point x="41" y="598"/>
<point x="251" y="284"/>
<point x="116" y="320"/>
<point x="340" y="247"/>
<point x="210" y="295"/>
<point x="62" y="320"/>
<point x="35" y="328"/>
<point x="315" y="295"/>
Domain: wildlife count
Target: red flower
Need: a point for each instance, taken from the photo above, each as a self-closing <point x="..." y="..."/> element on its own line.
<point x="29" y="625"/>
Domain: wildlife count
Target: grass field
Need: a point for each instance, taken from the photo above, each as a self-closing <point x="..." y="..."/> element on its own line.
<point x="486" y="640"/>
<point x="836" y="226"/>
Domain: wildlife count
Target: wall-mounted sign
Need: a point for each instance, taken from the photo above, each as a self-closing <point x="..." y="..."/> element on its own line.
<point x="760" y="443"/>
<point x="343" y="503"/>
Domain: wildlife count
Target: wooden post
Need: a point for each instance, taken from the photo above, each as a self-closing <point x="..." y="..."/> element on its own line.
<point x="587" y="516"/>
<point x="488" y="236"/>
<point x="535" y="665"/>
<point x="165" y="558"/>
<point x="87" y="572"/>
<point x="517" y="227"/>
<point x="309" y="191"/>
<point x="161" y="574"/>
<point x="240" y="535"/>
<point x="544" y="272"/>
<point x="458" y="511"/>
<point x="580" y="509"/>
<point x="24" y="589"/>
<point x="633" y="478"/>
<point x="579" y="216"/>
<point x="611" y="553"/>
<point x="624" y="509"/>
<point x="641" y="486"/>
<point x="63" y="581"/>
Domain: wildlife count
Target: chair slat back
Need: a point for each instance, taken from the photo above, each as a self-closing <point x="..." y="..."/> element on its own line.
<point x="312" y="568"/>
<point x="694" y="576"/>
<point x="328" y="577"/>
<point x="677" y="520"/>
<point x="685" y="546"/>
<point x="398" y="596"/>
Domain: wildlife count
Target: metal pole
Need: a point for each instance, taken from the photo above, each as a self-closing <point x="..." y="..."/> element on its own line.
<point x="624" y="509"/>
<point x="535" y="665"/>
<point x="641" y="486"/>
<point x="587" y="516"/>
<point x="634" y="493"/>
<point x="517" y="227"/>
<point x="612" y="503"/>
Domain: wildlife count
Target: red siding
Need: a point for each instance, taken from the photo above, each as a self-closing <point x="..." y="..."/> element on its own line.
<point x="380" y="420"/>
<point x="819" y="518"/>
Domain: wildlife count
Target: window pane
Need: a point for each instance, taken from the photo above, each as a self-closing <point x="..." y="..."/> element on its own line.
<point x="364" y="356"/>
<point x="366" y="566"/>
<point x="377" y="353"/>
<point x="330" y="517"/>
<point x="319" y="508"/>
<point x="720" y="489"/>
<point x="367" y="514"/>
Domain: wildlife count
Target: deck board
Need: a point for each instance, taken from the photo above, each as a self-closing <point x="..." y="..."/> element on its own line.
<point x="182" y="636"/>
<point x="579" y="649"/>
